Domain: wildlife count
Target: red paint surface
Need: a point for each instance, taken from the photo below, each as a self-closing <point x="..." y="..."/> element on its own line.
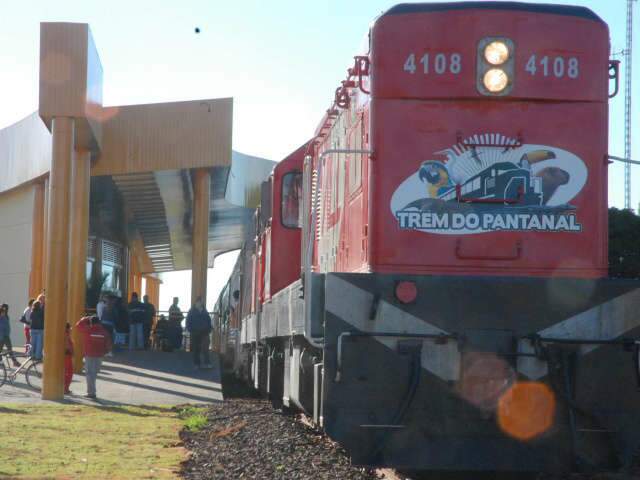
<point x="285" y="242"/>
<point x="394" y="37"/>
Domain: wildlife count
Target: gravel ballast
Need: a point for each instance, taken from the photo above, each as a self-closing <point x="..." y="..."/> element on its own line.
<point x="247" y="438"/>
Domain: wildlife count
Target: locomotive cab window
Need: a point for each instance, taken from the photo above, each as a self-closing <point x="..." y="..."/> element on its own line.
<point x="291" y="197"/>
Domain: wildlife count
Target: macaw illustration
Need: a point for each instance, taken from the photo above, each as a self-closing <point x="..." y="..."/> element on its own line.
<point x="436" y="176"/>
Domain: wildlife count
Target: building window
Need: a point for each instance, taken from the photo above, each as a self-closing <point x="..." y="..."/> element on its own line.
<point x="113" y="256"/>
<point x="89" y="270"/>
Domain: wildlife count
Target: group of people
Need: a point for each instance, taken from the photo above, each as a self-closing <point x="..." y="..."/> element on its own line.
<point x="114" y="325"/>
<point x="127" y="325"/>
<point x="33" y="320"/>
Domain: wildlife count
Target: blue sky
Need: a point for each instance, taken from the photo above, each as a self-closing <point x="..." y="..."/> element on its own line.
<point x="280" y="60"/>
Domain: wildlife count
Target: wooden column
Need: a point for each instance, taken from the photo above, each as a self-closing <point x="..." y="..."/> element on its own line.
<point x="78" y="238"/>
<point x="134" y="279"/>
<point x="36" y="277"/>
<point x="45" y="234"/>
<point x="153" y="290"/>
<point x="137" y="283"/>
<point x="57" y="257"/>
<point x="200" y="238"/>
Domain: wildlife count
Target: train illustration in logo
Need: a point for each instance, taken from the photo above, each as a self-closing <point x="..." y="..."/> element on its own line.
<point x="501" y="183"/>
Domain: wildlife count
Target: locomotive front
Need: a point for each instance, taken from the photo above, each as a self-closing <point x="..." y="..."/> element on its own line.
<point x="486" y="335"/>
<point x="489" y="127"/>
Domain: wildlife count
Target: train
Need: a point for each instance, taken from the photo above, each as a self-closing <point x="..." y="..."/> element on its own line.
<point x="427" y="276"/>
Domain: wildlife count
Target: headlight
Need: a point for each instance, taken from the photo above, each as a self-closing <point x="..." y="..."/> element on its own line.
<point x="495" y="70"/>
<point x="495" y="80"/>
<point x="496" y="53"/>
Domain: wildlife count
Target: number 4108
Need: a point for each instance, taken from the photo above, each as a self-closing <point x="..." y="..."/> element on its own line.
<point x="558" y="66"/>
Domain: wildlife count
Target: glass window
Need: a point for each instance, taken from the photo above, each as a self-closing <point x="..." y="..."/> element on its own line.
<point x="291" y="197"/>
<point x="89" y="270"/>
<point x="112" y="280"/>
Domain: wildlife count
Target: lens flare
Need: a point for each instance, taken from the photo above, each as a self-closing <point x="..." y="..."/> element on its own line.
<point x="496" y="53"/>
<point x="526" y="410"/>
<point x="484" y="379"/>
<point x="495" y="80"/>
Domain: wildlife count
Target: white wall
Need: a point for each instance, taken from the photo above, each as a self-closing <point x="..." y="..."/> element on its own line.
<point x="16" y="214"/>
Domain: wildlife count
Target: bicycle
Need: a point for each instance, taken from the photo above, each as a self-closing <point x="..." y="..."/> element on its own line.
<point x="30" y="368"/>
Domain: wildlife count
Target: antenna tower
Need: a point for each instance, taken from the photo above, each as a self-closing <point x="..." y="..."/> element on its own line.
<point x="627" y="104"/>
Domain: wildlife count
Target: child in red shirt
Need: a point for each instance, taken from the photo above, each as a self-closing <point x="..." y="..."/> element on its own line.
<point x="68" y="359"/>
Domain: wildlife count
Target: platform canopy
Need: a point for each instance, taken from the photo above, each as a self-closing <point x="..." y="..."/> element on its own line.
<point x="161" y="204"/>
<point x="145" y="154"/>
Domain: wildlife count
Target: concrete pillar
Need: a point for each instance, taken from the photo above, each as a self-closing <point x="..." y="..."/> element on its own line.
<point x="57" y="257"/>
<point x="36" y="277"/>
<point x="200" y="238"/>
<point x="78" y="237"/>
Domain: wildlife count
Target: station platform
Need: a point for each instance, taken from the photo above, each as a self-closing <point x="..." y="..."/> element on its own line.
<point x="137" y="378"/>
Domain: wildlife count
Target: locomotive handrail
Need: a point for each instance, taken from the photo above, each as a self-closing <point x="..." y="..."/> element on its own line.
<point x="629" y="344"/>
<point x="623" y="160"/>
<point x="473" y="144"/>
<point x="625" y="342"/>
<point x="344" y="150"/>
<point x="614" y="74"/>
<point x="361" y="69"/>
<point x="440" y="337"/>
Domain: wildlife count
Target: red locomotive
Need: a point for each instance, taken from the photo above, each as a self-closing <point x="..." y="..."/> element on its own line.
<point x="428" y="274"/>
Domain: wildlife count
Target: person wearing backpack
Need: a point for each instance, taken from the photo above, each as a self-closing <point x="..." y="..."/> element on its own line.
<point x="26" y="320"/>
<point x="37" y="327"/>
<point x="96" y="342"/>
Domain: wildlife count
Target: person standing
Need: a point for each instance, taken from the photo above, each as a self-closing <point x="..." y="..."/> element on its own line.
<point x="175" y="325"/>
<point x="107" y="316"/>
<point x="100" y="308"/>
<point x="199" y="327"/>
<point x="5" y="333"/>
<point x="37" y="328"/>
<point x="150" y="314"/>
<point x="122" y="322"/>
<point x="137" y="313"/>
<point x="26" y="320"/>
<point x="96" y="342"/>
<point x="175" y="314"/>
<point x="68" y="359"/>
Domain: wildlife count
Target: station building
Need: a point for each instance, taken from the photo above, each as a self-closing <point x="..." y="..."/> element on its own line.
<point x="97" y="198"/>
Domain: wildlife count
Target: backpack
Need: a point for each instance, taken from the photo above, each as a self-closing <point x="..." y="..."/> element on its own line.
<point x="97" y="342"/>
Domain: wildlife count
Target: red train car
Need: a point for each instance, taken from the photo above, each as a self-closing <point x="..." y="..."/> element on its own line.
<point x="454" y="310"/>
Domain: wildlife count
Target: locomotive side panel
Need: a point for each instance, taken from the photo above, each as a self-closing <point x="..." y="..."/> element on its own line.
<point x="341" y="190"/>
